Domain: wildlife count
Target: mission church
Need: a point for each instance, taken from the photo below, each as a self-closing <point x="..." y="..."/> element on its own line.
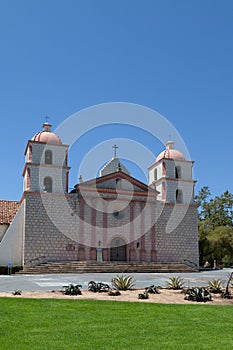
<point x="113" y="217"/>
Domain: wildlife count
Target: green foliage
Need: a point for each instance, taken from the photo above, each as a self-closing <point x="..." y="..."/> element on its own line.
<point x="202" y="197"/>
<point x="175" y="282"/>
<point x="88" y="324"/>
<point x="198" y="294"/>
<point x="215" y="211"/>
<point x="215" y="229"/>
<point x="123" y="282"/>
<point x="215" y="286"/>
<point x="72" y="289"/>
<point x="221" y="243"/>
<point x="98" y="287"/>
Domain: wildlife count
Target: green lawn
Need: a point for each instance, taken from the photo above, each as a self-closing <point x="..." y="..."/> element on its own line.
<point x="88" y="324"/>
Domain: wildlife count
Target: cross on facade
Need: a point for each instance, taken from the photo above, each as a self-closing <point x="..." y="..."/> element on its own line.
<point x="46" y="119"/>
<point x="115" y="149"/>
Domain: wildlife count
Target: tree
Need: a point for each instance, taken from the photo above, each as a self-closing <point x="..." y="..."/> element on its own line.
<point x="221" y="244"/>
<point x="215" y="228"/>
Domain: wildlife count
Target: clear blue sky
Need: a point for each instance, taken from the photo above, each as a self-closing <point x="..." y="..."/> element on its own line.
<point x="174" y="56"/>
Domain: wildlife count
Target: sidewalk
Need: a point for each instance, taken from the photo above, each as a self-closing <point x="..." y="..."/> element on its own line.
<point x="57" y="281"/>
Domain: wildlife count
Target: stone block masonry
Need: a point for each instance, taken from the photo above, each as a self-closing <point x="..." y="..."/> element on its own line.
<point x="54" y="231"/>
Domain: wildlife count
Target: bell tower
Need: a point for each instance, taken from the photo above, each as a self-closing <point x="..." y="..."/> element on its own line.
<point x="171" y="175"/>
<point x="46" y="163"/>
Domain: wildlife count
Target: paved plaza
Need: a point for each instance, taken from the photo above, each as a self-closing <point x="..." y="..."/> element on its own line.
<point x="57" y="281"/>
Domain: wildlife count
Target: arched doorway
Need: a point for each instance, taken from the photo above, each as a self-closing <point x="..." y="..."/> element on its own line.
<point x="118" y="250"/>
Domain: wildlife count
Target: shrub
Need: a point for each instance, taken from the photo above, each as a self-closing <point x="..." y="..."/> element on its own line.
<point x="175" y="283"/>
<point x="98" y="287"/>
<point x="198" y="294"/>
<point x="123" y="282"/>
<point x="215" y="286"/>
<point x="72" y="289"/>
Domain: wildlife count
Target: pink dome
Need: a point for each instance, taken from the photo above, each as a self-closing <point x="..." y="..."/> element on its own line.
<point x="170" y="153"/>
<point x="46" y="136"/>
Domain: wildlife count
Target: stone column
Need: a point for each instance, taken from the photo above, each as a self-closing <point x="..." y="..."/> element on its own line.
<point x="132" y="252"/>
<point x="142" y="239"/>
<point x="93" y="252"/>
<point x="105" y="232"/>
<point x="81" y="249"/>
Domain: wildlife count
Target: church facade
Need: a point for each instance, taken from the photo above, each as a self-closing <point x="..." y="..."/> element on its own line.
<point x="114" y="217"/>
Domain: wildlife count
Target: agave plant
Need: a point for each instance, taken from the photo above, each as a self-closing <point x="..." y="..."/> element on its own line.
<point x="227" y="293"/>
<point x="199" y="294"/>
<point x="98" y="287"/>
<point x="175" y="282"/>
<point x="144" y="295"/>
<point x="215" y="286"/>
<point x="17" y="292"/>
<point x="72" y="289"/>
<point x="123" y="282"/>
<point x="153" y="289"/>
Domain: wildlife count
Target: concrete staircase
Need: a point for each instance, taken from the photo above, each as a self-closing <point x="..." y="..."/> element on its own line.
<point x="105" y="266"/>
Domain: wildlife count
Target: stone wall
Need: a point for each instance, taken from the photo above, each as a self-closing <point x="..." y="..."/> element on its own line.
<point x="67" y="228"/>
<point x="11" y="246"/>
<point x="3" y="228"/>
<point x="176" y="234"/>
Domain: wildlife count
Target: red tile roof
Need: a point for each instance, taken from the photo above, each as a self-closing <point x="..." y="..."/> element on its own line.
<point x="8" y="209"/>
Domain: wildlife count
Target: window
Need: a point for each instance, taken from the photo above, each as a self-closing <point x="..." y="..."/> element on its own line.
<point x="48" y="157"/>
<point x="178" y="172"/>
<point x="29" y="153"/>
<point x="66" y="159"/>
<point x="118" y="214"/>
<point x="164" y="191"/>
<point x="155" y="174"/>
<point x="28" y="179"/>
<point x="179" y="196"/>
<point x="48" y="184"/>
<point x="163" y="169"/>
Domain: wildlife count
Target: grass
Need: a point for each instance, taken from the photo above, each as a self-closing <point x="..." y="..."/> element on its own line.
<point x="87" y="324"/>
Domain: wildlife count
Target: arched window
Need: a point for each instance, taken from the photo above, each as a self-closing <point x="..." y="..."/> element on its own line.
<point x="178" y="172"/>
<point x="66" y="159"/>
<point x="155" y="174"/>
<point x="48" y="184"/>
<point x="28" y="179"/>
<point x="29" y="153"/>
<point x="164" y="191"/>
<point x="163" y="168"/>
<point x="48" y="157"/>
<point x="179" y="196"/>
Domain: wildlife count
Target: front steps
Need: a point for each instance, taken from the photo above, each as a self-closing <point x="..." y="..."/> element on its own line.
<point x="105" y="266"/>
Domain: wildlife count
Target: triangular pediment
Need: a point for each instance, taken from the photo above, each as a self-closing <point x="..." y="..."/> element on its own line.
<point x="118" y="181"/>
